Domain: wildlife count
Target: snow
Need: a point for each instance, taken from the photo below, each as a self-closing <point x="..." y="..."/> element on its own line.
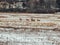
<point x="26" y="37"/>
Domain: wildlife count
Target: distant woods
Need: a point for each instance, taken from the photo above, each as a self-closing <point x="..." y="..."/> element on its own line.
<point x="58" y="3"/>
<point x="29" y="5"/>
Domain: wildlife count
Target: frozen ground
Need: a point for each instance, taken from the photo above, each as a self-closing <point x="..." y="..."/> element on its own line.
<point x="17" y="36"/>
<point x="29" y="37"/>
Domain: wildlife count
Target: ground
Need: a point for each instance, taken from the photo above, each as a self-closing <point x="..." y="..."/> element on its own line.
<point x="11" y="32"/>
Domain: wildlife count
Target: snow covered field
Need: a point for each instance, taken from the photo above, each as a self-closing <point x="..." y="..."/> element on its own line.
<point x="30" y="37"/>
<point x="12" y="34"/>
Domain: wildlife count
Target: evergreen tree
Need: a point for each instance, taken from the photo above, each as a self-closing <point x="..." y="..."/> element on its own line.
<point x="58" y="3"/>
